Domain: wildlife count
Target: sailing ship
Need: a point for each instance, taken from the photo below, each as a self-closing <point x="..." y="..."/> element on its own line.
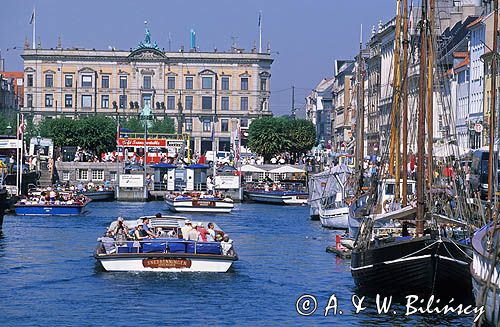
<point x="406" y="250"/>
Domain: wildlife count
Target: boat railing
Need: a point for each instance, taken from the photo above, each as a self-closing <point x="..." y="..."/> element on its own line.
<point x="164" y="245"/>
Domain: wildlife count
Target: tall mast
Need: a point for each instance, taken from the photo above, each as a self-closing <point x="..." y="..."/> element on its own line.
<point x="492" y="123"/>
<point x="394" y="148"/>
<point x="404" y="121"/>
<point x="430" y="98"/>
<point x="421" y="124"/>
<point x="360" y="114"/>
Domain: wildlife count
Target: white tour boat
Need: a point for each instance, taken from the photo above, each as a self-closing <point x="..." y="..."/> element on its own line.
<point x="334" y="213"/>
<point x="166" y="253"/>
<point x="198" y="203"/>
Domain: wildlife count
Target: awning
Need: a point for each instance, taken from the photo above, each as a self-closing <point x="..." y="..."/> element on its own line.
<point x="251" y="169"/>
<point x="287" y="169"/>
<point x="448" y="150"/>
<point x="163" y="165"/>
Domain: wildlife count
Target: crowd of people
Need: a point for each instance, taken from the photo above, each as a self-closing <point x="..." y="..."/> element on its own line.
<point x="53" y="196"/>
<point x="119" y="232"/>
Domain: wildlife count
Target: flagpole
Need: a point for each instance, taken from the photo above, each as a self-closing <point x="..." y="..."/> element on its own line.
<point x="33" y="23"/>
<point x="260" y="31"/>
<point x="17" y="156"/>
<point x="22" y="155"/>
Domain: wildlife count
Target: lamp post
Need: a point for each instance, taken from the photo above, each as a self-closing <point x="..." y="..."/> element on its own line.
<point x="8" y="129"/>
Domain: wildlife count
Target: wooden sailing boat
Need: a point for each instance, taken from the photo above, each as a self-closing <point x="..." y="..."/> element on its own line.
<point x="427" y="262"/>
<point x="485" y="269"/>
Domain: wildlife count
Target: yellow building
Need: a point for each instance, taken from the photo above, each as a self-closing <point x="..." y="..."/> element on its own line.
<point x="190" y="87"/>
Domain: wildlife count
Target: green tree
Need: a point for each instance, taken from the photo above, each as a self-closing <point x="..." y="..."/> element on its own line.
<point x="267" y="136"/>
<point x="8" y="120"/>
<point x="165" y="125"/>
<point x="302" y="135"/>
<point x="97" y="133"/>
<point x="62" y="131"/>
<point x="134" y="124"/>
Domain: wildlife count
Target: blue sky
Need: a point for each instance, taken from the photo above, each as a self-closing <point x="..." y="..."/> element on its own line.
<point x="306" y="36"/>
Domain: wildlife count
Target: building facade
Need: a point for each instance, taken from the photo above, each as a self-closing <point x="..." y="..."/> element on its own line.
<point x="319" y="109"/>
<point x="196" y="89"/>
<point x="342" y="97"/>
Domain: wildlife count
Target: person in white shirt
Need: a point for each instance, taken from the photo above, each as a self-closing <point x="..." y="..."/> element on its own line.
<point x="211" y="233"/>
<point x="227" y="245"/>
<point x="186" y="229"/>
<point x="194" y="235"/>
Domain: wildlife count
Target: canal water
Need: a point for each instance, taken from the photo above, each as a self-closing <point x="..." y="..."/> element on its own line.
<point x="49" y="277"/>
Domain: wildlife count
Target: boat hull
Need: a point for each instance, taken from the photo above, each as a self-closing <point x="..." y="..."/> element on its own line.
<point x="39" y="210"/>
<point x="165" y="263"/>
<point x="199" y="206"/>
<point x="100" y="196"/>
<point x="418" y="266"/>
<point x="281" y="198"/>
<point x="335" y="218"/>
<point x="486" y="295"/>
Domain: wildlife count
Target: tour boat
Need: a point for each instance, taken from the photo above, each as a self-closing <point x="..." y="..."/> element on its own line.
<point x="335" y="217"/>
<point x="485" y="271"/>
<point x="165" y="254"/>
<point x="198" y="203"/>
<point x="50" y="209"/>
<point x="278" y="197"/>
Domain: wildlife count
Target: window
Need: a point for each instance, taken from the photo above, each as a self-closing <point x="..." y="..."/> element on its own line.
<point x="206" y="103"/>
<point x="30" y="80"/>
<point x="49" y="80"/>
<point x="97" y="174"/>
<point x="112" y="175"/>
<point x="68" y="80"/>
<point x="224" y="125"/>
<point x="123" y="101"/>
<point x="105" y="82"/>
<point x="171" y="102"/>
<point x="244" y="122"/>
<point x="189" y="83"/>
<point x="224" y="103"/>
<point x="244" y="83"/>
<point x="104" y="101"/>
<point x="224" y="83"/>
<point x="189" y="124"/>
<point x="206" y="83"/>
<point x="66" y="175"/>
<point x="86" y="80"/>
<point x="86" y="101"/>
<point x="49" y="100"/>
<point x="189" y="102"/>
<point x="68" y="100"/>
<point x="123" y="82"/>
<point x="29" y="100"/>
<point x="147" y="82"/>
<point x="263" y="84"/>
<point x="83" y="174"/>
<point x="206" y="125"/>
<point x="244" y="103"/>
<point x="171" y="82"/>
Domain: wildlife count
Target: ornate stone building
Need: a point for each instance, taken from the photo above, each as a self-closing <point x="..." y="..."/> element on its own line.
<point x="191" y="87"/>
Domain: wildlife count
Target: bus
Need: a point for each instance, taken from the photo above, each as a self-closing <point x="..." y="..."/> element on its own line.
<point x="479" y="172"/>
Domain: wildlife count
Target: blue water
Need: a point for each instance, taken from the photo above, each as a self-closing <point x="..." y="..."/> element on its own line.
<point x="49" y="277"/>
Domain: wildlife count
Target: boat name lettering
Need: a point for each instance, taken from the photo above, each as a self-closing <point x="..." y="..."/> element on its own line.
<point x="166" y="263"/>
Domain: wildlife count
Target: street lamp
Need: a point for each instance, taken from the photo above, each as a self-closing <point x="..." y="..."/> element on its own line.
<point x="8" y="129"/>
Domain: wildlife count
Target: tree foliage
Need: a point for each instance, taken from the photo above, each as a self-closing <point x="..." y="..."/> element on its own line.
<point x="269" y="136"/>
<point x="136" y="125"/>
<point x="96" y="133"/>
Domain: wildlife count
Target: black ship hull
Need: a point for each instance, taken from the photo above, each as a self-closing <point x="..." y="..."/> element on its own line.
<point x="422" y="266"/>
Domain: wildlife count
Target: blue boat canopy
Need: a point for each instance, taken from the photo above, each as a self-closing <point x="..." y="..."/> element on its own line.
<point x="163" y="165"/>
<point x="197" y="166"/>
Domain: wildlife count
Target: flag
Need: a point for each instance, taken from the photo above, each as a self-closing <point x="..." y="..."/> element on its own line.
<point x="260" y="17"/>
<point x="32" y="19"/>
<point x="20" y="131"/>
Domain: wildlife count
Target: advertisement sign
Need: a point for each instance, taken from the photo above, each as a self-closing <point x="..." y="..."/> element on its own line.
<point x="227" y="182"/>
<point x="140" y="142"/>
<point x="131" y="180"/>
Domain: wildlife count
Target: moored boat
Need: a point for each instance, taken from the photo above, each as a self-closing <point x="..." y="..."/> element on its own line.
<point x="281" y="197"/>
<point x="168" y="252"/>
<point x="198" y="202"/>
<point x="108" y="195"/>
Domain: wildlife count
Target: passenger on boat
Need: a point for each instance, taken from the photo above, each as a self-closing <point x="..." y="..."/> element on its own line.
<point x="186" y="229"/>
<point x="210" y="233"/>
<point x="146" y="228"/>
<point x="227" y="245"/>
<point x="108" y="242"/>
<point x="203" y="232"/>
<point x="140" y="233"/>
<point x="194" y="235"/>
<point x="121" y="231"/>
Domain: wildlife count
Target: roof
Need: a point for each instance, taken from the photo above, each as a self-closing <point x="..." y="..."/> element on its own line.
<point x="197" y="166"/>
<point x="287" y="169"/>
<point x="475" y="22"/>
<point x="163" y="165"/>
<point x="251" y="169"/>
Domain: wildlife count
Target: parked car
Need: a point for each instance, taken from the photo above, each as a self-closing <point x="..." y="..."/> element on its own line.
<point x="223" y="157"/>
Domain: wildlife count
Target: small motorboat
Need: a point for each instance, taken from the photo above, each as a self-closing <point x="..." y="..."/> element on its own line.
<point x="198" y="202"/>
<point x="108" y="195"/>
<point x="278" y="197"/>
<point x="167" y="253"/>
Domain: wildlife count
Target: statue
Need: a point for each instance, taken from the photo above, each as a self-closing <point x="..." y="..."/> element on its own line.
<point x="147" y="44"/>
